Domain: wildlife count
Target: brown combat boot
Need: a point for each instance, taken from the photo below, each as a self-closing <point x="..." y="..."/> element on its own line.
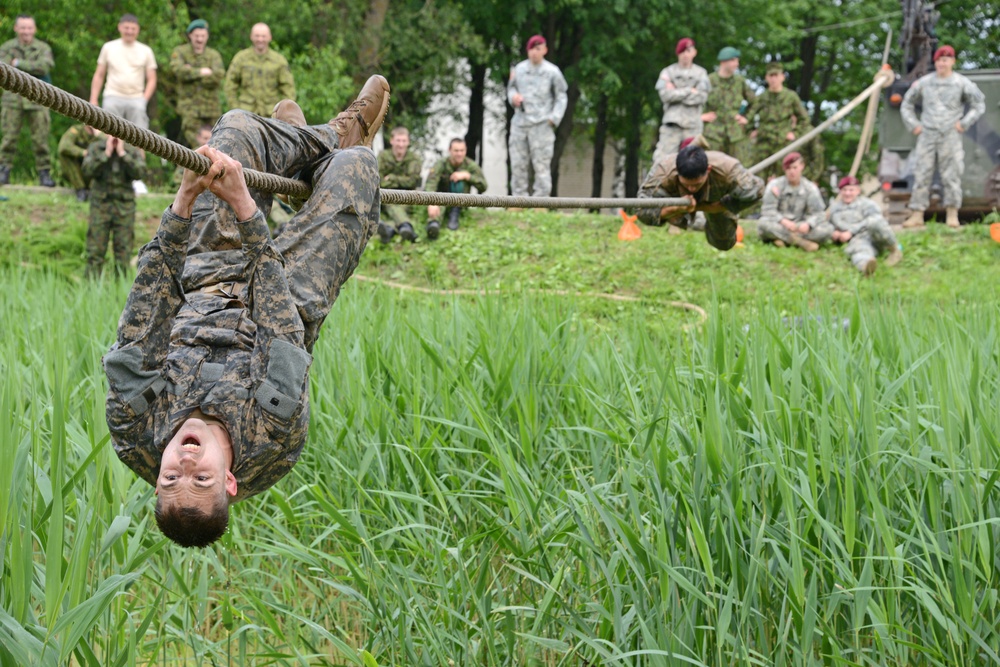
<point x="951" y="218"/>
<point x="358" y="124"/>
<point x="778" y="243"/>
<point x="290" y="112"/>
<point x="804" y="244"/>
<point x="915" y="220"/>
<point x="870" y="267"/>
<point x="895" y="257"/>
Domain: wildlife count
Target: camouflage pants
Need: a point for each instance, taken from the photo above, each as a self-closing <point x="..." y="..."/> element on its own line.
<point x="718" y="140"/>
<point x="720" y="228"/>
<point x="69" y="167"/>
<point x="946" y="146"/>
<point x="111" y="215"/>
<point x="323" y="242"/>
<point x="772" y="230"/>
<point x="765" y="148"/>
<point x="396" y="214"/>
<point x="867" y="245"/>
<point x="11" y="122"/>
<point x="671" y="137"/>
<point x="534" y="143"/>
<point x="190" y="124"/>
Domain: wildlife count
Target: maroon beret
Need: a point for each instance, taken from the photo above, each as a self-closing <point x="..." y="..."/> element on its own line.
<point x="847" y="180"/>
<point x="684" y="45"/>
<point x="944" y="51"/>
<point x="790" y="158"/>
<point x="534" y="41"/>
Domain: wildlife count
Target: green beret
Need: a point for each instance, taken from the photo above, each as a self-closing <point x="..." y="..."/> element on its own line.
<point x="728" y="53"/>
<point x="197" y="23"/>
<point x="775" y="66"/>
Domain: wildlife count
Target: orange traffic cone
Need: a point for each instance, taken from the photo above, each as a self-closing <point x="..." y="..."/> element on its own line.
<point x="994" y="232"/>
<point x="739" y="233"/>
<point x="629" y="231"/>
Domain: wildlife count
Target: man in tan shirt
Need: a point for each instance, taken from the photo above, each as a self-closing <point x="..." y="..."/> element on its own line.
<point x="130" y="69"/>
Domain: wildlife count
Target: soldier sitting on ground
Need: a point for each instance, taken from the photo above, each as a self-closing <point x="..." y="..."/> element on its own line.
<point x="713" y="183"/>
<point x="208" y="395"/>
<point x="399" y="169"/>
<point x="110" y="166"/>
<point x="858" y="223"/>
<point x="455" y="173"/>
<point x="793" y="212"/>
<point x="73" y="147"/>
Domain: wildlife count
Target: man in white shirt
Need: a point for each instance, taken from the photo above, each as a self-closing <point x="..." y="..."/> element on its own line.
<point x="130" y="69"/>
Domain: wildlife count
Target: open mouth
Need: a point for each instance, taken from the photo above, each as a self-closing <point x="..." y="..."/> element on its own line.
<point x="191" y="444"/>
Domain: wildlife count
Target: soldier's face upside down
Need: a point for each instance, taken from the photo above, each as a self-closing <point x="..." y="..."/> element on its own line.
<point x="194" y="468"/>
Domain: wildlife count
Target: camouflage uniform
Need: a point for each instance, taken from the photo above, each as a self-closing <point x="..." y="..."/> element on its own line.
<point x="799" y="204"/>
<point x="197" y="96"/>
<point x="870" y="232"/>
<point x="726" y="98"/>
<point x="943" y="101"/>
<point x="439" y="178"/>
<point x="256" y="82"/>
<point x="223" y="318"/>
<point x="728" y="182"/>
<point x="777" y="115"/>
<point x="681" y="106"/>
<point x="36" y="60"/>
<point x="532" y="130"/>
<point x="399" y="175"/>
<point x="112" y="204"/>
<point x="72" y="148"/>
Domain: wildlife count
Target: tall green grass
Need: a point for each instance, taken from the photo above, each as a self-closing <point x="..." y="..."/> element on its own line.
<point x="501" y="481"/>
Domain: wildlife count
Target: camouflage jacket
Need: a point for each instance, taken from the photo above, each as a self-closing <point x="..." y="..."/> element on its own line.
<point x="775" y="113"/>
<point x="399" y="174"/>
<point x="943" y="101"/>
<point x="112" y="176"/>
<point x="74" y="142"/>
<point x="197" y="95"/>
<point x="544" y="90"/>
<point x="725" y="99"/>
<point x="729" y="183"/>
<point x="855" y="217"/>
<point x="681" y="104"/>
<point x="217" y="331"/>
<point x="802" y="203"/>
<point x="438" y="180"/>
<point x="35" y="59"/>
<point x="258" y="82"/>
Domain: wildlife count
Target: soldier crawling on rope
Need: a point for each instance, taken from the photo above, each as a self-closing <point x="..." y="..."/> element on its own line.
<point x="208" y="380"/>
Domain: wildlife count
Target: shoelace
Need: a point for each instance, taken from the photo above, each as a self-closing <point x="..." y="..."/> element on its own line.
<point x="355" y="108"/>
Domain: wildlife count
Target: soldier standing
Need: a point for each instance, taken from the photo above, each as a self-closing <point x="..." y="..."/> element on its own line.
<point x="537" y="91"/>
<point x="259" y="77"/>
<point x="34" y="57"/>
<point x="111" y="166"/>
<point x="208" y="380"/>
<point x="939" y="130"/>
<point x="455" y="173"/>
<point x="683" y="88"/>
<point x="73" y="147"/>
<point x="778" y="111"/>
<point x="793" y="212"/>
<point x="130" y="68"/>
<point x="399" y="169"/>
<point x="858" y="223"/>
<point x="199" y="73"/>
<point x="714" y="183"/>
<point x="728" y="100"/>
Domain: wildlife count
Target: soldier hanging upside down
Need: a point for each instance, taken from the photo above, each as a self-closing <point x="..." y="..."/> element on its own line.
<point x="209" y="389"/>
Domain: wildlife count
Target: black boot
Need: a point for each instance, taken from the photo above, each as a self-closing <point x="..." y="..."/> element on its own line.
<point x="406" y="232"/>
<point x="433" y="229"/>
<point x="453" y="213"/>
<point x="4" y="175"/>
<point x="44" y="179"/>
<point x="82" y="194"/>
<point x="386" y="232"/>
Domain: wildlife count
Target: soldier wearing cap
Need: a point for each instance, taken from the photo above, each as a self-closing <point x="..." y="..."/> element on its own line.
<point x="778" y="112"/>
<point x="199" y="72"/>
<point x="943" y="96"/>
<point x="792" y="212"/>
<point x="537" y="91"/>
<point x="731" y="95"/>
<point x="858" y="223"/>
<point x="683" y="88"/>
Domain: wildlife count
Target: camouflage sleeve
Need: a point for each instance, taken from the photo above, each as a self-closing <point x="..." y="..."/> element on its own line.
<point x="815" y="209"/>
<point x="218" y="69"/>
<point x="477" y="178"/>
<point x="747" y="191"/>
<point x="433" y="182"/>
<point x="286" y="83"/>
<point x="802" y="115"/>
<point x="411" y="180"/>
<point x="748" y="95"/>
<point x="697" y="97"/>
<point x="181" y="69"/>
<point x="973" y="96"/>
<point x="873" y="215"/>
<point x="386" y="180"/>
<point x="93" y="161"/>
<point x="512" y="86"/>
<point x="652" y="188"/>
<point x="908" y="109"/>
<point x="135" y="165"/>
<point x="39" y="63"/>
<point x="559" y="89"/>
<point x="233" y="81"/>
<point x="68" y="145"/>
<point x="670" y="95"/>
<point x="769" y="206"/>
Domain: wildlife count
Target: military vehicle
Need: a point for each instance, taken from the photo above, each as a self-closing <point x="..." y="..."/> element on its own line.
<point x="981" y="180"/>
